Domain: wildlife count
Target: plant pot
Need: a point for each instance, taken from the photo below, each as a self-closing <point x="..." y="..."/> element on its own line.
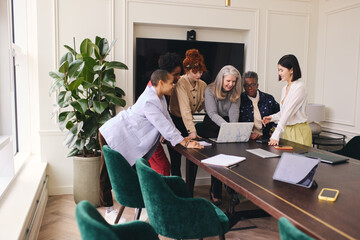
<point x="86" y="179"/>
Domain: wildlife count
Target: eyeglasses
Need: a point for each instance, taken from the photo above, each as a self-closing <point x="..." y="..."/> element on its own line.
<point x="250" y="85"/>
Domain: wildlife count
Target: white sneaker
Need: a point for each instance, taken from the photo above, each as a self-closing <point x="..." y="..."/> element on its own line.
<point x="110" y="217"/>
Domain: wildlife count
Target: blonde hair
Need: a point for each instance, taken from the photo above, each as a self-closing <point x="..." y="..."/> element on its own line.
<point x="217" y="85"/>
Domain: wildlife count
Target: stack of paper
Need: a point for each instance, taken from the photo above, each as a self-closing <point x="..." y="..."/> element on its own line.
<point x="223" y="160"/>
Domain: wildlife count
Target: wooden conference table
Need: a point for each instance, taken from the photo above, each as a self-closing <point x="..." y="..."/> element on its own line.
<point x="253" y="179"/>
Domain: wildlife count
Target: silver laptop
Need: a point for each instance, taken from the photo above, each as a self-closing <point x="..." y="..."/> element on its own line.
<point x="234" y="132"/>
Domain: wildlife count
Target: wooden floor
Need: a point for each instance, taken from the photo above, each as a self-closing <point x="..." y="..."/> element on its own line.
<point x="59" y="220"/>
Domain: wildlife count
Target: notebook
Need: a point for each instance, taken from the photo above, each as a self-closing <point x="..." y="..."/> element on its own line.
<point x="223" y="160"/>
<point x="327" y="158"/>
<point x="234" y="132"/>
<point x="296" y="169"/>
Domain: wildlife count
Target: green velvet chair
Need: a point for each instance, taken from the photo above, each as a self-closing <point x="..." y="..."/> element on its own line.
<point x="171" y="210"/>
<point x="289" y="232"/>
<point x="124" y="181"/>
<point x="93" y="226"/>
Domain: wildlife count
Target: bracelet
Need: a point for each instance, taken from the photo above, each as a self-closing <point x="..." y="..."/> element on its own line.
<point x="186" y="144"/>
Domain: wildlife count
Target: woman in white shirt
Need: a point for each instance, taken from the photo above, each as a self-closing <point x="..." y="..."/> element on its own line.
<point x="292" y="118"/>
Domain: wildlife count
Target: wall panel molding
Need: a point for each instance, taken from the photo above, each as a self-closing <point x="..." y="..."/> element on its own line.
<point x="306" y="39"/>
<point x="329" y="51"/>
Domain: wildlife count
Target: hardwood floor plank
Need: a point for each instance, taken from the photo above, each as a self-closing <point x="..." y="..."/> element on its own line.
<point x="59" y="220"/>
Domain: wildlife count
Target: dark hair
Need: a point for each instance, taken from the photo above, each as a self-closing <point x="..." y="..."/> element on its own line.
<point x="158" y="75"/>
<point x="194" y="61"/>
<point x="290" y="62"/>
<point x="249" y="74"/>
<point x="169" y="61"/>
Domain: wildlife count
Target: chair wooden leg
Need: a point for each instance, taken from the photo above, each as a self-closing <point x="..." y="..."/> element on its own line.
<point x="222" y="237"/>
<point x="137" y="214"/>
<point x="121" y="210"/>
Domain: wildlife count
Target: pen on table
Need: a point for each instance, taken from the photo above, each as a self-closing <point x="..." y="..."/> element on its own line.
<point x="232" y="166"/>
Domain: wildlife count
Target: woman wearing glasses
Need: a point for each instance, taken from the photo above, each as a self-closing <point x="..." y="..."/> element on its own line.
<point x="222" y="103"/>
<point x="292" y="118"/>
<point x="255" y="105"/>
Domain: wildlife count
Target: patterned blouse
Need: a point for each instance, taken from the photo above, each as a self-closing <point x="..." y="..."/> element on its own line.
<point x="267" y="106"/>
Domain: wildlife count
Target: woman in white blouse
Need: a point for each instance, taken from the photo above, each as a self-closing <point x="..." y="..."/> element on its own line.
<point x="292" y="118"/>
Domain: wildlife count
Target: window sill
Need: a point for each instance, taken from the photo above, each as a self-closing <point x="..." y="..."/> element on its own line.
<point x="17" y="204"/>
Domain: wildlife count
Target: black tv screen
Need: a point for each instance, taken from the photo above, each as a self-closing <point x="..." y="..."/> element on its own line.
<point x="216" y="55"/>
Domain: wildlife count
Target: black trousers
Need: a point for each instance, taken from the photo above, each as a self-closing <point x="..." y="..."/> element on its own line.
<point x="211" y="130"/>
<point x="175" y="157"/>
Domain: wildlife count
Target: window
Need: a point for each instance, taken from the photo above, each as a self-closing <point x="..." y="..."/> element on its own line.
<point x="14" y="93"/>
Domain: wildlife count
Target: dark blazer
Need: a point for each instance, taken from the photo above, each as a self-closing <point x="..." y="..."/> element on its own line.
<point x="267" y="106"/>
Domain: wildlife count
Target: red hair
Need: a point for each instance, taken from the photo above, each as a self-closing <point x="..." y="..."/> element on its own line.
<point x="194" y="61"/>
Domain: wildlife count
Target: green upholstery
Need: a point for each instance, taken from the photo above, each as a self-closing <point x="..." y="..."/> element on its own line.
<point x="123" y="178"/>
<point x="171" y="210"/>
<point x="289" y="232"/>
<point x="351" y="149"/>
<point x="93" y="226"/>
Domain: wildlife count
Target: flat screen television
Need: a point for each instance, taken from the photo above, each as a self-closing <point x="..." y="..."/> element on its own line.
<point x="216" y="55"/>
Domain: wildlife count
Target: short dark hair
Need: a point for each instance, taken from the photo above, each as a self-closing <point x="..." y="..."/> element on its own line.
<point x="250" y="74"/>
<point x="290" y="62"/>
<point x="158" y="75"/>
<point x="169" y="61"/>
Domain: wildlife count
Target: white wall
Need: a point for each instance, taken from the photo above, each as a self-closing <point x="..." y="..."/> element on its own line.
<point x="338" y="63"/>
<point x="269" y="30"/>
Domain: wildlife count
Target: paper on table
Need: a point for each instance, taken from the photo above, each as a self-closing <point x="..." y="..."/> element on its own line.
<point x="205" y="144"/>
<point x="223" y="160"/>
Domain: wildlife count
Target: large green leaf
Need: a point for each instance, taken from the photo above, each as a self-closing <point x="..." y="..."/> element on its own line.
<point x="87" y="85"/>
<point x="70" y="49"/>
<point x="80" y="143"/>
<point x="88" y="72"/>
<point x="103" y="47"/>
<point x="92" y="144"/>
<point x="111" y="45"/>
<point x="86" y="48"/>
<point x="75" y="84"/>
<point x="63" y="99"/>
<point x="64" y="118"/>
<point x="115" y="100"/>
<point x="80" y="105"/>
<point x="57" y="75"/>
<point x="96" y="51"/>
<point x="115" y="64"/>
<point x="105" y="116"/>
<point x="56" y="85"/>
<point x="64" y="67"/>
<point x="75" y="66"/>
<point x="90" y="127"/>
<point x="67" y="57"/>
<point x="74" y="152"/>
<point x="119" y="92"/>
<point x="99" y="107"/>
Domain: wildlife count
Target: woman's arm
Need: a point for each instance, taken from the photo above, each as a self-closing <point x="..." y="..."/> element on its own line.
<point x="234" y="111"/>
<point x="290" y="107"/>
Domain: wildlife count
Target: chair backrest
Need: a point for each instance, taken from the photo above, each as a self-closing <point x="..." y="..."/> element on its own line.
<point x="124" y="179"/>
<point x="174" y="216"/>
<point x="289" y="232"/>
<point x="351" y="149"/>
<point x="92" y="226"/>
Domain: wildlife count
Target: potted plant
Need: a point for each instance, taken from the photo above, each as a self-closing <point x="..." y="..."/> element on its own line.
<point x="86" y="97"/>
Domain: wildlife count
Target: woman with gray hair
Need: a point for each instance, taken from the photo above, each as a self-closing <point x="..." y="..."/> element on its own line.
<point x="222" y="104"/>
